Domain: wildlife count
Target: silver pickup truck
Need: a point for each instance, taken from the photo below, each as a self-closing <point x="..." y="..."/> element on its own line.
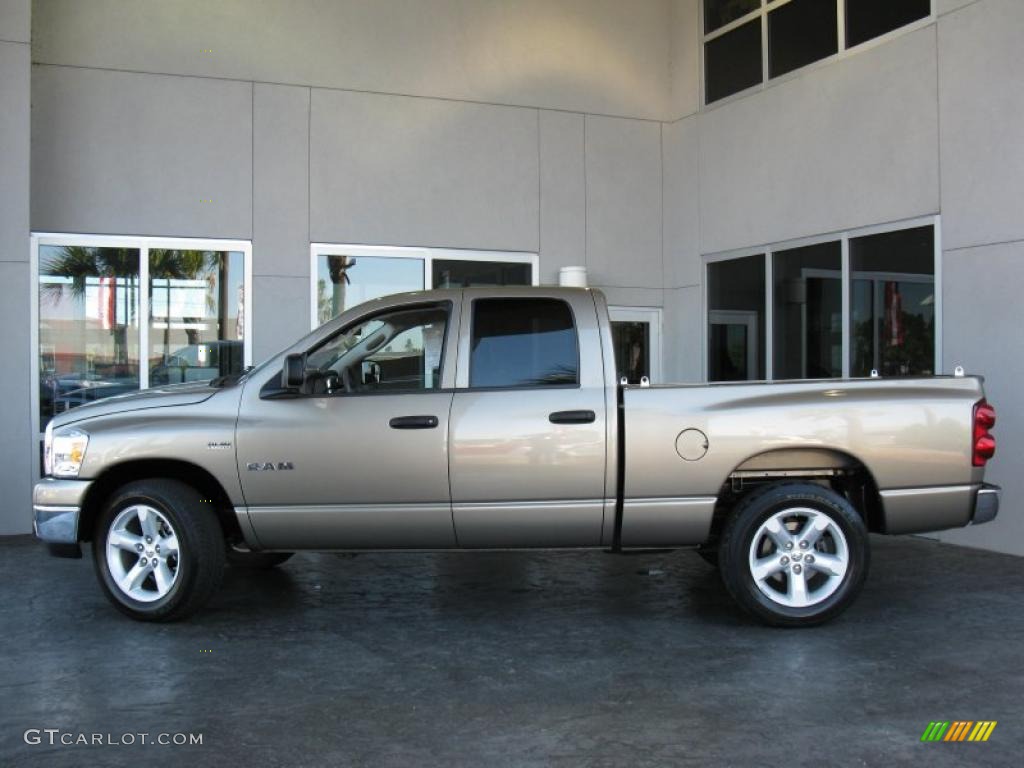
<point x="492" y="418"/>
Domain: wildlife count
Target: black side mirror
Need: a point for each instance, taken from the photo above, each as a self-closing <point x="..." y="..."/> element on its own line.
<point x="294" y="374"/>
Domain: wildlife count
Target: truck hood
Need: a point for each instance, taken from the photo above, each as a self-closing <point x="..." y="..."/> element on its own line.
<point x="157" y="397"/>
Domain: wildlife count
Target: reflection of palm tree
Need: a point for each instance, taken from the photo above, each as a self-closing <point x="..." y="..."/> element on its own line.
<point x="337" y="268"/>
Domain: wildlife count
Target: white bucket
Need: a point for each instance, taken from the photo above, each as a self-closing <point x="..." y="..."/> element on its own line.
<point x="572" y="277"/>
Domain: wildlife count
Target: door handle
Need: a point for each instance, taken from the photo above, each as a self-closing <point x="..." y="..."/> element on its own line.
<point x="572" y="417"/>
<point x="413" y="422"/>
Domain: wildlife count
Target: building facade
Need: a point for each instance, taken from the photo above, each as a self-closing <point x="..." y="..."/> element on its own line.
<point x="784" y="189"/>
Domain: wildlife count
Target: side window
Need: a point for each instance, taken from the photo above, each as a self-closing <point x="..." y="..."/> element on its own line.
<point x="523" y="343"/>
<point x="398" y="351"/>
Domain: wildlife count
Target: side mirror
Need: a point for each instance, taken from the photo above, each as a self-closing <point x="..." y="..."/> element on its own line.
<point x="294" y="374"/>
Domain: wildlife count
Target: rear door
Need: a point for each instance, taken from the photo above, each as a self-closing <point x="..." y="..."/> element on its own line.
<point x="528" y="421"/>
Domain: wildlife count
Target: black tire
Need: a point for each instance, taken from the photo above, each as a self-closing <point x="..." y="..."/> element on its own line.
<point x="757" y="508"/>
<point x="709" y="554"/>
<point x="258" y="561"/>
<point x="198" y="565"/>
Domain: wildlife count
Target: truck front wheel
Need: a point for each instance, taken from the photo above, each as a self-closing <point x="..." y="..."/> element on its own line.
<point x="158" y="550"/>
<point x="794" y="554"/>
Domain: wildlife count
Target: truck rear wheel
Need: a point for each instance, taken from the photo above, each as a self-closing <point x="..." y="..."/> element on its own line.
<point x="794" y="554"/>
<point x="158" y="551"/>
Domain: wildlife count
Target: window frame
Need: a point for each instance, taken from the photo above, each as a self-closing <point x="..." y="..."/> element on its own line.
<point x="143" y="243"/>
<point x="424" y="254"/>
<point x="471" y="327"/>
<point x="761" y="13"/>
<point x="767" y="251"/>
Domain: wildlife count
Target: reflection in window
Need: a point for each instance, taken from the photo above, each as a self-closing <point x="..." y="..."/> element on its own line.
<point x="866" y="19"/>
<point x="799" y="33"/>
<point x="736" y="319"/>
<point x="88" y="325"/>
<point x="196" y="309"/>
<point x="523" y="343"/>
<point x="808" y="319"/>
<point x="892" y="286"/>
<point x="343" y="282"/>
<point x="394" y="352"/>
<point x="460" y="273"/>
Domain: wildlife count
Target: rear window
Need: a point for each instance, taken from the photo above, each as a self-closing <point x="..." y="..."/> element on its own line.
<point x="523" y="343"/>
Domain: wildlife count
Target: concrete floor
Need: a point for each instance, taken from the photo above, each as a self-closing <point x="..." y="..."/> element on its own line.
<point x="507" y="659"/>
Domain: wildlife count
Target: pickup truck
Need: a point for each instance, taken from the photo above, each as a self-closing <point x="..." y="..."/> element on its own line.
<point x="493" y="418"/>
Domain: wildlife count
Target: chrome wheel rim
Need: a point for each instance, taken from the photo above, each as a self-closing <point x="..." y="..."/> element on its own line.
<point x="798" y="557"/>
<point x="142" y="553"/>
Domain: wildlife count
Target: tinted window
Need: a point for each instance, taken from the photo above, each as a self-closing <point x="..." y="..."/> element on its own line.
<point x="732" y="62"/>
<point x="866" y="19"/>
<point x="459" y="273"/>
<point x="799" y="33"/>
<point x="736" y="319"/>
<point x="718" y="13"/>
<point x="523" y="343"/>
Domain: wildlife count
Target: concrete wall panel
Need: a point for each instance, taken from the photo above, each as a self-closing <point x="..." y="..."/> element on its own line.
<point x="280" y="313"/>
<point x="123" y="153"/>
<point x="848" y="144"/>
<point x="17" y="448"/>
<point x="684" y="326"/>
<point x="403" y="171"/>
<point x="981" y="99"/>
<point x="682" y="203"/>
<point x="14" y="151"/>
<point x="602" y="56"/>
<point x="685" y="44"/>
<point x="981" y="333"/>
<point x="623" y="165"/>
<point x="15" y="21"/>
<point x="563" y="234"/>
<point x="280" y="180"/>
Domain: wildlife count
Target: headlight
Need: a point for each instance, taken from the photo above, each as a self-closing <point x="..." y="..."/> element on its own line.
<point x="48" y="450"/>
<point x="65" y="452"/>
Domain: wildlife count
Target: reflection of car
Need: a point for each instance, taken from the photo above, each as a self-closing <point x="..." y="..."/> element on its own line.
<point x="488" y="418"/>
<point x="69" y="390"/>
<point x="95" y="391"/>
<point x="198" y="362"/>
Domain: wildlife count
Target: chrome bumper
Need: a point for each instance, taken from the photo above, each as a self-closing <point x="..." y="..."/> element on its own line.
<point x="986" y="504"/>
<point x="56" y="506"/>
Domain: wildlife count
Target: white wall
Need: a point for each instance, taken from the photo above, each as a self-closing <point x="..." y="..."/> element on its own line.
<point x="597" y="56"/>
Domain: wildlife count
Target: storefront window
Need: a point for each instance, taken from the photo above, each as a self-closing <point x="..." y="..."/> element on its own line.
<point x="88" y="325"/>
<point x="736" y="319"/>
<point x="343" y="281"/>
<point x="196" y="310"/>
<point x="808" y="312"/>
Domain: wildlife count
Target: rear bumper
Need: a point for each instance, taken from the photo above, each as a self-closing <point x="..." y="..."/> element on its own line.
<point x="56" y="508"/>
<point x="986" y="504"/>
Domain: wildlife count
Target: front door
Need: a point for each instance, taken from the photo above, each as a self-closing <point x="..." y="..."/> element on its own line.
<point x="528" y="423"/>
<point x="358" y="459"/>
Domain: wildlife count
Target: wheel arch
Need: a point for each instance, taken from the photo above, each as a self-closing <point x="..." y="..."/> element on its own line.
<point x="118" y="475"/>
<point x="832" y="468"/>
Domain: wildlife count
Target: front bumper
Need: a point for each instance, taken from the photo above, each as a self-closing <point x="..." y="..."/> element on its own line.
<point x="56" y="507"/>
<point x="986" y="504"/>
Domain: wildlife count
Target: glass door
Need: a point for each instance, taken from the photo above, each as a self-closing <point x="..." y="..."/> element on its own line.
<point x="636" y="335"/>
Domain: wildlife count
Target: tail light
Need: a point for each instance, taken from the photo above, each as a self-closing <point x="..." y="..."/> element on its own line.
<point x="984" y="446"/>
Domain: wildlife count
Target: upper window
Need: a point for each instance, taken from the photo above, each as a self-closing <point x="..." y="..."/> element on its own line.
<point x="345" y="276"/>
<point x="397" y="351"/>
<point x="94" y="328"/>
<point x="523" y="343"/>
<point x="797" y="32"/>
<point x="866" y="19"/>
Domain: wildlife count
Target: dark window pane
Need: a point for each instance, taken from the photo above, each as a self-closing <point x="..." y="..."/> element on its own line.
<point x="736" y="319"/>
<point x="732" y="62"/>
<point x="808" y="296"/>
<point x="456" y="273"/>
<point x="866" y="19"/>
<point x="718" y="13"/>
<point x="799" y="33"/>
<point x="892" y="301"/>
<point x="632" y="341"/>
<point x="523" y="343"/>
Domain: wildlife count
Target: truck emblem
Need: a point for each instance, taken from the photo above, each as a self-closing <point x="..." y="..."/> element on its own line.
<point x="222" y="445"/>
<point x="269" y="466"/>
